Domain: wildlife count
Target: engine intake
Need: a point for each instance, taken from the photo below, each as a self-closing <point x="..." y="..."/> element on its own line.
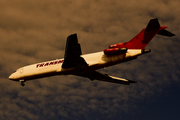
<point x="119" y="45"/>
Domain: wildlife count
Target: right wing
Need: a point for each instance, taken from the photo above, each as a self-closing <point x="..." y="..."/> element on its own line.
<point x="72" y="57"/>
<point x="94" y="75"/>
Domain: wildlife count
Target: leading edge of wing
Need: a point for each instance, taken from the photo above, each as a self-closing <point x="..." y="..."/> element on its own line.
<point x="94" y="75"/>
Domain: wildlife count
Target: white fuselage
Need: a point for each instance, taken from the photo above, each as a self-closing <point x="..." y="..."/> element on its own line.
<point x="50" y="68"/>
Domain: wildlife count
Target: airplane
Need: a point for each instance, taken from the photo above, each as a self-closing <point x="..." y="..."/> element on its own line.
<point x="74" y="63"/>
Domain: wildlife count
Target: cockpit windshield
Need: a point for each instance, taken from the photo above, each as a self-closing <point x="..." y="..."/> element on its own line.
<point x="15" y="70"/>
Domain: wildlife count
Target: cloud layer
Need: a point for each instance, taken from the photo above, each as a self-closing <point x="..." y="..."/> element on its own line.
<point x="35" y="31"/>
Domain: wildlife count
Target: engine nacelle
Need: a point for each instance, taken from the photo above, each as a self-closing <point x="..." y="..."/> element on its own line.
<point x="119" y="45"/>
<point x="114" y="51"/>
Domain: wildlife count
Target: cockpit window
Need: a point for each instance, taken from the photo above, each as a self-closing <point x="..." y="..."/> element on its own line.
<point x="16" y="70"/>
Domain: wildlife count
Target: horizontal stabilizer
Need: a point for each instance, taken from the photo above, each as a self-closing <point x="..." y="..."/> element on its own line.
<point x="165" y="33"/>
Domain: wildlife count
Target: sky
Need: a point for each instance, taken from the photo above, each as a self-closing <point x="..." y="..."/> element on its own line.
<point x="35" y="31"/>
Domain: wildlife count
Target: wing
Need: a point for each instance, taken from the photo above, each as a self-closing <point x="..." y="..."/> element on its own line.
<point x="72" y="57"/>
<point x="94" y="75"/>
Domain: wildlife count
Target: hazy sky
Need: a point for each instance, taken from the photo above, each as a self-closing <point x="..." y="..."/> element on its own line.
<point x="35" y="31"/>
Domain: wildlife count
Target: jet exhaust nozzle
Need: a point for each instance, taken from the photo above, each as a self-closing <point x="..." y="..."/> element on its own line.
<point x="146" y="51"/>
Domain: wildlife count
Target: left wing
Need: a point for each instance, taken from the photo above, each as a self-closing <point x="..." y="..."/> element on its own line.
<point x="72" y="57"/>
<point x="94" y="75"/>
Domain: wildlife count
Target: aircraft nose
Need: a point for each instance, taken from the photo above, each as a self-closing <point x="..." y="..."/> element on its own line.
<point x="11" y="77"/>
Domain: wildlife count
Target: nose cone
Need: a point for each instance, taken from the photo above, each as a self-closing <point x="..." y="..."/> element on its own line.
<point x="11" y="77"/>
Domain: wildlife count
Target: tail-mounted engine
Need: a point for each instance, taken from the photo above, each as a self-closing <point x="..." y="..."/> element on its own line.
<point x="113" y="51"/>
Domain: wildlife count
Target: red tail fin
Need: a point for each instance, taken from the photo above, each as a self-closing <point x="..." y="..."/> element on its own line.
<point x="144" y="37"/>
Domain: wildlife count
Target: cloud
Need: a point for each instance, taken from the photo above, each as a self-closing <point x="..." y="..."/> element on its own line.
<point x="36" y="31"/>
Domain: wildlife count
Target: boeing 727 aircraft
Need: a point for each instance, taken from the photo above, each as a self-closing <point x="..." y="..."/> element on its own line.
<point x="74" y="63"/>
